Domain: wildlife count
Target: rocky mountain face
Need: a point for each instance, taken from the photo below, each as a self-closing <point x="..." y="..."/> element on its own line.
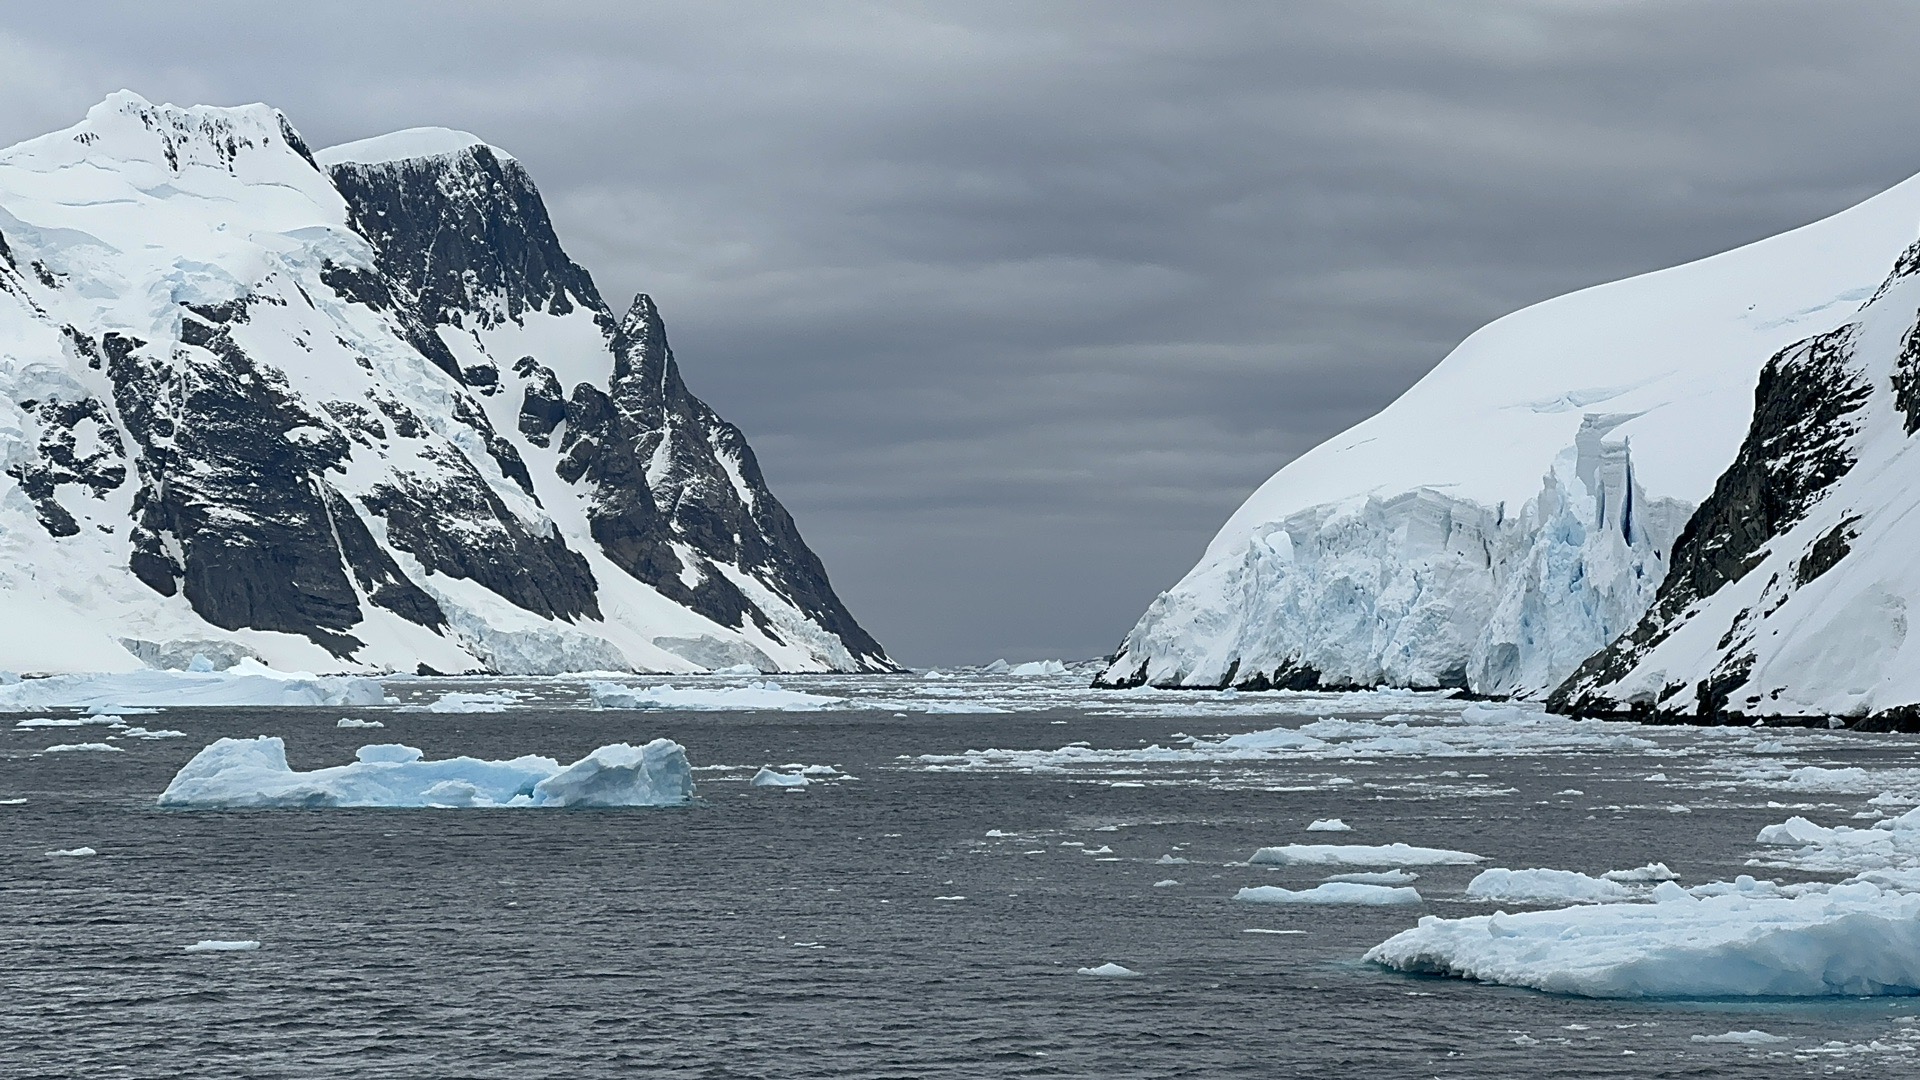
<point x="1791" y="585"/>
<point x="1519" y="508"/>
<point x="357" y="410"/>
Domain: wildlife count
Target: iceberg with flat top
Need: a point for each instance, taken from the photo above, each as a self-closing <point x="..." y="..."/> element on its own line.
<point x="253" y="773"/>
<point x="1852" y="940"/>
<point x="1359" y="855"/>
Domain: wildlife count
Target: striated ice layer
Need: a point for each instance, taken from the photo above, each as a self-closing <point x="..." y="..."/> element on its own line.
<point x="253" y="773"/>
<point x="1853" y="939"/>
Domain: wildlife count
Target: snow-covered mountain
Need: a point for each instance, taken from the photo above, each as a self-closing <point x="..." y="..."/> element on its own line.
<point x="1791" y="586"/>
<point x="356" y="410"/>
<point x="1517" y="509"/>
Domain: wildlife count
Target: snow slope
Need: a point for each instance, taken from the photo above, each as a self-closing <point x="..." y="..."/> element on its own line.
<point x="1792" y="586"/>
<point x="356" y="412"/>
<point x="1515" y="510"/>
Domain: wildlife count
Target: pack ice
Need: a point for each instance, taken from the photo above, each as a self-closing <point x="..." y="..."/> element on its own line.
<point x="1515" y="511"/>
<point x="253" y="773"/>
<point x="357" y="411"/>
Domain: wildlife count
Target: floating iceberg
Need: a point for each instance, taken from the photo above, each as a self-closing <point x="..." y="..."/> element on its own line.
<point x="73" y="853"/>
<point x="254" y="773"/>
<point x="351" y="722"/>
<point x="1036" y="668"/>
<point x="1650" y="873"/>
<point x="1750" y="1037"/>
<point x="1850" y="940"/>
<point x="1544" y="887"/>
<point x="768" y="778"/>
<point x="1332" y="892"/>
<point x="1379" y="877"/>
<point x="1360" y="855"/>
<point x="66" y="748"/>
<point x="222" y="946"/>
<point x="248" y="684"/>
<point x="751" y="697"/>
<point x="1109" y="971"/>
<point x="460" y="702"/>
<point x="1332" y="824"/>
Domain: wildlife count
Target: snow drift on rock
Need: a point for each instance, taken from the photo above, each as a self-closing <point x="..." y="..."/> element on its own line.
<point x="250" y="773"/>
<point x="1515" y="510"/>
<point x="1851" y="940"/>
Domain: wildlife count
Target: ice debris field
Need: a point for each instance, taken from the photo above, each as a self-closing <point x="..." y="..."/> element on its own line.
<point x="1635" y="932"/>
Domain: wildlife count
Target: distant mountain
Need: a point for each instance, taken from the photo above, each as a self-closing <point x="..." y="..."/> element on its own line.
<point x="1518" y="508"/>
<point x="357" y="410"/>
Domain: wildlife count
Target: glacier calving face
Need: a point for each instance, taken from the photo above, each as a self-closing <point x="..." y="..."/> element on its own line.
<point x="356" y="411"/>
<point x="1517" y="509"/>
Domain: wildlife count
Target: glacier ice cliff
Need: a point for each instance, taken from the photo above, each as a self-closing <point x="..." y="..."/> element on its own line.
<point x="357" y="410"/>
<point x="1516" y="510"/>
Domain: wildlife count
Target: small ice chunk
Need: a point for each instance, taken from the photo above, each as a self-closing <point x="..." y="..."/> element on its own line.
<point x="67" y="748"/>
<point x="1750" y="1037"/>
<point x="72" y="852"/>
<point x="1110" y="971"/>
<point x="1332" y="824"/>
<point x="388" y="753"/>
<point x="66" y="721"/>
<point x="1332" y="892"/>
<point x="351" y="722"/>
<point x="462" y="702"/>
<point x="768" y="778"/>
<point x="1359" y="855"/>
<point x="215" y="945"/>
<point x="1170" y="860"/>
<point x="949" y="898"/>
<point x="1379" y="877"/>
<point x="1651" y="872"/>
<point x="1544" y="887"/>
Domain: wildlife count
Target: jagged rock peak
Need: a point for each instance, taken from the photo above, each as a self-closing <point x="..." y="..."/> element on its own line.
<point x="370" y="416"/>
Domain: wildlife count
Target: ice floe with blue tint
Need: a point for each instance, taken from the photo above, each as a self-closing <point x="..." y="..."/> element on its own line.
<point x="252" y="773"/>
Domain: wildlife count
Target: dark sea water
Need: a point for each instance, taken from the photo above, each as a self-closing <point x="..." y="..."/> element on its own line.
<point x="769" y="933"/>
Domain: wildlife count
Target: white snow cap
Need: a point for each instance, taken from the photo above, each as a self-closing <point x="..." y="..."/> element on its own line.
<point x="407" y="145"/>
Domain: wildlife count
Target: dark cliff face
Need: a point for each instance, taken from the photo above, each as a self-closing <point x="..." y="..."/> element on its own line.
<point x="468" y="234"/>
<point x="666" y="506"/>
<point x="464" y="239"/>
<point x="1810" y="407"/>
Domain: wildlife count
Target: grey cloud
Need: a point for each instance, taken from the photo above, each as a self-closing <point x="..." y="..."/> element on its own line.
<point x="1017" y="301"/>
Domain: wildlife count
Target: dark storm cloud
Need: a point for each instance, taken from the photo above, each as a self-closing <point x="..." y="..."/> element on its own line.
<point x="1018" y="301"/>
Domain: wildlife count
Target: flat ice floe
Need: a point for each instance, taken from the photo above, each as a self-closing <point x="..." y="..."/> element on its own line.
<point x="73" y="853"/>
<point x="1332" y="892"/>
<point x="247" y="684"/>
<point x="769" y="778"/>
<point x="1109" y="971"/>
<point x="1853" y="940"/>
<point x="752" y="697"/>
<point x="465" y="702"/>
<point x="79" y="747"/>
<point x="1360" y="855"/>
<point x="211" y="945"/>
<point x="1544" y="887"/>
<point x="250" y="773"/>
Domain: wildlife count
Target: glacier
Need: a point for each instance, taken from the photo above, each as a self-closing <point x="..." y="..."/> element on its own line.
<point x="356" y="411"/>
<point x="253" y="774"/>
<point x="1517" y="509"/>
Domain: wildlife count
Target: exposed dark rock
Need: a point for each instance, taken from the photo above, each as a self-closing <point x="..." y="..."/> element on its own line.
<point x="59" y="459"/>
<point x="1797" y="445"/>
<point x="543" y="406"/>
<point x="1827" y="551"/>
<point x="467" y="234"/>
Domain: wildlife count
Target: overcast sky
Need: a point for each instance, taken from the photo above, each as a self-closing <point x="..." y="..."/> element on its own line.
<point x="1017" y="301"/>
